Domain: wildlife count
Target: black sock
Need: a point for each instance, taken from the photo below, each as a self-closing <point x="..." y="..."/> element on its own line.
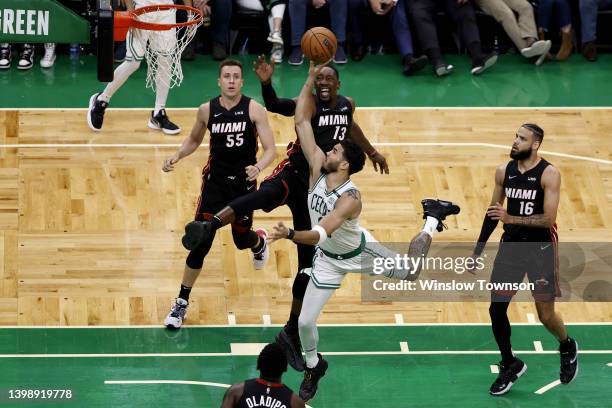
<point x="184" y="293"/>
<point x="502" y="330"/>
<point x="292" y="324"/>
<point x="475" y="50"/>
<point x="216" y="222"/>
<point x="566" y="344"/>
<point x="260" y="245"/>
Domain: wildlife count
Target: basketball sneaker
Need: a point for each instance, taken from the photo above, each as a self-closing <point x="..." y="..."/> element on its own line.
<point x="276" y="54"/>
<point x="48" y="59"/>
<point x="340" y="55"/>
<point x="26" y="60"/>
<point x="508" y="374"/>
<point x="260" y="258"/>
<point x="569" y="361"/>
<point x="275" y="37"/>
<point x="438" y="209"/>
<point x="296" y="57"/>
<point x="95" y="114"/>
<point x="197" y="233"/>
<point x="5" y="56"/>
<point x="292" y="346"/>
<point x="309" y="386"/>
<point x="175" y="318"/>
<point x="161" y="122"/>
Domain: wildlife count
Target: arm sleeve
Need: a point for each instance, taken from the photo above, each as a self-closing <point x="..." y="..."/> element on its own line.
<point x="285" y="107"/>
<point x="488" y="226"/>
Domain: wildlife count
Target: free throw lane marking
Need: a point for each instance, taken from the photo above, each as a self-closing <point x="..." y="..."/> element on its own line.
<point x="548" y="387"/>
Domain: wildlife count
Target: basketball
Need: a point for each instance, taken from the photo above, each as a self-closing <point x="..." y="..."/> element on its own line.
<point x="319" y="44"/>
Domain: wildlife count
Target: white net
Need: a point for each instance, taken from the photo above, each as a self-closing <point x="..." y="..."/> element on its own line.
<point x="164" y="48"/>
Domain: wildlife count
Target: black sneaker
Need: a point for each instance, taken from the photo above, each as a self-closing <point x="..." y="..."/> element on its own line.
<point x="161" y="122"/>
<point x="197" y="233"/>
<point x="479" y="66"/>
<point x="507" y="376"/>
<point x="290" y="343"/>
<point x="26" y="60"/>
<point x="309" y="386"/>
<point x="569" y="361"/>
<point x="411" y="65"/>
<point x="95" y="114"/>
<point x="439" y="209"/>
<point x="5" y="56"/>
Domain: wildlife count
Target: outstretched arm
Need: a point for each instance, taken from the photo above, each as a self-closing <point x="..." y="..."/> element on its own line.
<point x="347" y="207"/>
<point x="260" y="118"/>
<point x="303" y="114"/>
<point x="551" y="183"/>
<point x="191" y="143"/>
<point x="264" y="71"/>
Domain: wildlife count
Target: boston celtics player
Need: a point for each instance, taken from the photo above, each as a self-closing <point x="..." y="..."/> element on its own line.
<point x="334" y="203"/>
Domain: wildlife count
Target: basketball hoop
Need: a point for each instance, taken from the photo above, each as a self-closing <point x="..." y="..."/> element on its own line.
<point x="165" y="38"/>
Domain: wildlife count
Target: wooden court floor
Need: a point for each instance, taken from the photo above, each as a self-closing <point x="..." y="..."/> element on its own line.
<point x="91" y="226"/>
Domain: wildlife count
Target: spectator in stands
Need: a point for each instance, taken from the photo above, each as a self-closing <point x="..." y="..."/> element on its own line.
<point x="462" y="14"/>
<point x="26" y="58"/>
<point x="522" y="31"/>
<point x="275" y="10"/>
<point x="588" y="18"/>
<point x="396" y="14"/>
<point x="546" y="8"/>
<point x="297" y="13"/>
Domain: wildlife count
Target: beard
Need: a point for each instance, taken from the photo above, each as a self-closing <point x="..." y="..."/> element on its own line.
<point x="330" y="167"/>
<point x="520" y="154"/>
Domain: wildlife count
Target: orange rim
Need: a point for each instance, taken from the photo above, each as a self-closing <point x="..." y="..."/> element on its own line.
<point x="123" y="17"/>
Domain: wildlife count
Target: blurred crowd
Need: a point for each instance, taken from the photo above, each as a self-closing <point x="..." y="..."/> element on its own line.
<point x="420" y="31"/>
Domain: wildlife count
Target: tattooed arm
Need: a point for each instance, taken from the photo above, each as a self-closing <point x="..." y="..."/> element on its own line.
<point x="551" y="183"/>
<point x="347" y="207"/>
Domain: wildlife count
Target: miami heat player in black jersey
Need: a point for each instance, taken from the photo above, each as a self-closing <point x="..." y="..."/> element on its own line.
<point x="267" y="391"/>
<point x="330" y="124"/>
<point x="525" y="196"/>
<point x="528" y="247"/>
<point x="235" y="122"/>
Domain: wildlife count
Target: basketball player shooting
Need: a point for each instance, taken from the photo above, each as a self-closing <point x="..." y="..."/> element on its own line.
<point x="528" y="246"/>
<point x="136" y="43"/>
<point x="288" y="183"/>
<point x="342" y="246"/>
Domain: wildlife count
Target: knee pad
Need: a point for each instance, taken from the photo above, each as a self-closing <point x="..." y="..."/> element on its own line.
<point x="195" y="259"/>
<point x="300" y="283"/>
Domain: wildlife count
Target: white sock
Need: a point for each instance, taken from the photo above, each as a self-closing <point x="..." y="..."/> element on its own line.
<point x="161" y="84"/>
<point x="430" y="226"/>
<point x="104" y="97"/>
<point x="121" y="74"/>
<point x="312" y="359"/>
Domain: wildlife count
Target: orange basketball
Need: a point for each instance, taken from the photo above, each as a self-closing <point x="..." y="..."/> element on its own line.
<point x="319" y="44"/>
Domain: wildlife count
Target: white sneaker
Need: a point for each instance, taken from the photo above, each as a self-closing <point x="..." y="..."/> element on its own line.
<point x="49" y="58"/>
<point x="276" y="54"/>
<point x="260" y="259"/>
<point x="537" y="48"/>
<point x="275" y="37"/>
<point x="175" y="318"/>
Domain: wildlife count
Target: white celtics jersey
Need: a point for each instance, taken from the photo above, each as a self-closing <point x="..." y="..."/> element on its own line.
<point x="349" y="236"/>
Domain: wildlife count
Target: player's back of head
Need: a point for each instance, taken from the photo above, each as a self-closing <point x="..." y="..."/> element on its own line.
<point x="272" y="362"/>
<point x="353" y="155"/>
